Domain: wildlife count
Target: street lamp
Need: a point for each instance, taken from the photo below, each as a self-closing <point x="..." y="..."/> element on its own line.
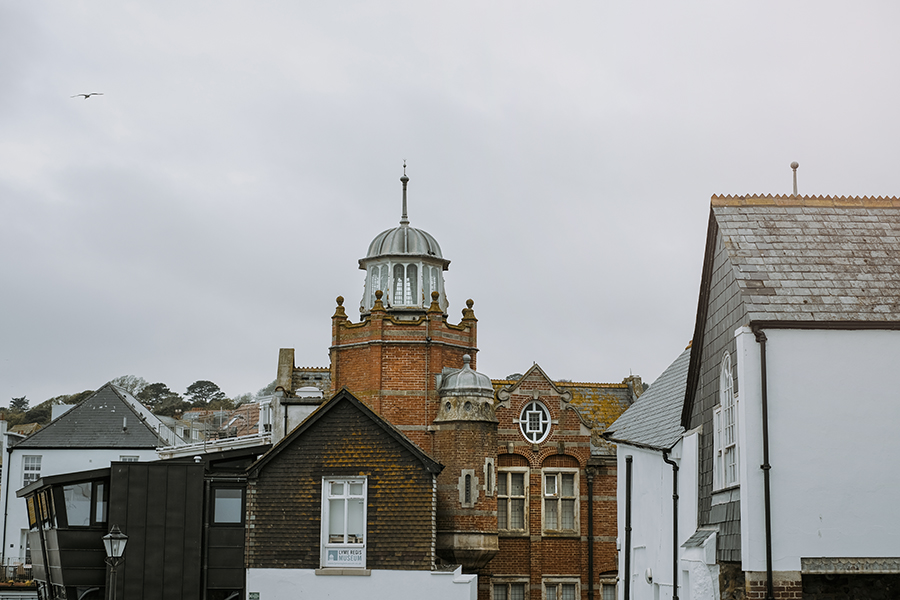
<point x="114" y="542"/>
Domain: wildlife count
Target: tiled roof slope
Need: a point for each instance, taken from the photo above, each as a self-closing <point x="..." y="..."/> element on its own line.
<point x="813" y="258"/>
<point x="96" y="423"/>
<point x="654" y="421"/>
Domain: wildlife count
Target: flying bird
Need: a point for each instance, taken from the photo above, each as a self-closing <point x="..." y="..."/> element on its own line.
<point x="86" y="96"/>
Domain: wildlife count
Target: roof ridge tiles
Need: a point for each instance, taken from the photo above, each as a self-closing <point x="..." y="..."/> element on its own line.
<point x="810" y="200"/>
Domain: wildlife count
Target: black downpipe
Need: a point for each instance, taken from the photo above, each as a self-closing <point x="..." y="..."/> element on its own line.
<point x="766" y="467"/>
<point x="627" y="549"/>
<point x="590" y="540"/>
<point x="668" y="461"/>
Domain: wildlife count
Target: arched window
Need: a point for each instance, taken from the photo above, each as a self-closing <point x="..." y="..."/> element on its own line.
<point x="726" y="428"/>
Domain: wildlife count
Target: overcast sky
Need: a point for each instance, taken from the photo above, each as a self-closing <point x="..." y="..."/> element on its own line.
<point x="207" y="209"/>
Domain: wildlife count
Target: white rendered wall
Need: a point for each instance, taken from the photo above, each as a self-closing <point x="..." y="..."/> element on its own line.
<point x="275" y="584"/>
<point x="651" y="515"/>
<point x="53" y="462"/>
<point x="833" y="443"/>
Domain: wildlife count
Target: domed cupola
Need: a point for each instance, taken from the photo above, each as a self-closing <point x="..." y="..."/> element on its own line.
<point x="406" y="264"/>
<point x="465" y="395"/>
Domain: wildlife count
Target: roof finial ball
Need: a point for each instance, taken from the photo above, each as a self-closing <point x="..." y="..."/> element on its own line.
<point x="794" y="166"/>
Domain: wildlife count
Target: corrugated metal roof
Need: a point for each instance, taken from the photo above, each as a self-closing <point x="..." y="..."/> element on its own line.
<point x="654" y="421"/>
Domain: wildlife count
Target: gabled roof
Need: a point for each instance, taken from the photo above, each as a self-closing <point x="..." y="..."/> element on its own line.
<point x="654" y="421"/>
<point x="812" y="258"/>
<point x="96" y="423"/>
<point x="344" y="396"/>
<point x="802" y="262"/>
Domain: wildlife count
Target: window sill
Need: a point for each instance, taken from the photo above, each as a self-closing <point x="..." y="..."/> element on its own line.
<point x="521" y="533"/>
<point x="561" y="534"/>
<point x="343" y="571"/>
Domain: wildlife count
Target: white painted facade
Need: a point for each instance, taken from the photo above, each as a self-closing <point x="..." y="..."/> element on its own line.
<point x="53" y="462"/>
<point x="274" y="584"/>
<point x="833" y="436"/>
<point x="652" y="524"/>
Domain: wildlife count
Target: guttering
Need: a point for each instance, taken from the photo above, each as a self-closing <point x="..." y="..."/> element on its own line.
<point x="627" y="549"/>
<point x="766" y="467"/>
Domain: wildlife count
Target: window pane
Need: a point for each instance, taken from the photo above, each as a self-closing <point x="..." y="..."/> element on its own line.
<point x="336" y="520"/>
<point x="228" y="507"/>
<point x="550" y="515"/>
<point x="78" y="504"/>
<point x="609" y="592"/>
<point x="356" y="489"/>
<point x="568" y="484"/>
<point x="337" y="488"/>
<point x="568" y="514"/>
<point x="412" y="286"/>
<point x="397" y="298"/>
<point x="355" y="521"/>
<point x="501" y="483"/>
<point x="500" y="592"/>
<point x="550" y="485"/>
<point x="518" y="484"/>
<point x="551" y="591"/>
<point x="517" y="518"/>
<point x="517" y="591"/>
<point x="501" y="513"/>
<point x="568" y="591"/>
<point x="100" y="513"/>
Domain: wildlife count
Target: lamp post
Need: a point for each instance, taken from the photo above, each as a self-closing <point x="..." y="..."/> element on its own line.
<point x="114" y="542"/>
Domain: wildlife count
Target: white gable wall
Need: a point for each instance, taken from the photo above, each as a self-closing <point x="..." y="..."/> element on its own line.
<point x="833" y="440"/>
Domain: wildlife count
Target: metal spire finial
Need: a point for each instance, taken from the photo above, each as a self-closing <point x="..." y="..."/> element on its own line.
<point x="794" y="166"/>
<point x="403" y="218"/>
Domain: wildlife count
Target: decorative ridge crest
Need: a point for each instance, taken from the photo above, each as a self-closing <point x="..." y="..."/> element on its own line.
<point x="813" y="200"/>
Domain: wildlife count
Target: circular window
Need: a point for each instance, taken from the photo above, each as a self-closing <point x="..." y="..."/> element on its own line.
<point x="535" y="422"/>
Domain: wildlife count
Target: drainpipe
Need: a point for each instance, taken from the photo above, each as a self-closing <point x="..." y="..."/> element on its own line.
<point x="590" y="540"/>
<point x="766" y="467"/>
<point x="627" y="548"/>
<point x="7" y="467"/>
<point x="668" y="461"/>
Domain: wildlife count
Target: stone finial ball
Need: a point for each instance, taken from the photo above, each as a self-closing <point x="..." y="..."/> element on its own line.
<point x="795" y="164"/>
<point x="470" y="303"/>
<point x="435" y="296"/>
<point x="379" y="294"/>
<point x="340" y="300"/>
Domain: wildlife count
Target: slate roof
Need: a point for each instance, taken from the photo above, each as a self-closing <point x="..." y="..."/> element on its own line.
<point x="654" y="421"/>
<point x="96" y="423"/>
<point x="813" y="258"/>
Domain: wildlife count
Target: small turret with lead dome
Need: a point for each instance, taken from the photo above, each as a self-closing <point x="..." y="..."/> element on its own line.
<point x="406" y="265"/>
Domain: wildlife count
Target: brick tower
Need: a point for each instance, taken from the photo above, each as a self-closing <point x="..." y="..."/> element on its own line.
<point x="392" y="358"/>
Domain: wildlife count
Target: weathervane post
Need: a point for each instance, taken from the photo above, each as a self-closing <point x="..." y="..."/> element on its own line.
<point x="794" y="166"/>
<point x="403" y="218"/>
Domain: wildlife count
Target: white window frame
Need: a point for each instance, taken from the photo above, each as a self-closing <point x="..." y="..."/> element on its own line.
<point x="552" y="494"/>
<point x="552" y="587"/>
<point x="506" y="583"/>
<point x="535" y="421"/>
<point x="508" y="497"/>
<point x="346" y="554"/>
<point x="129" y="458"/>
<point x="725" y="430"/>
<point x="31" y="468"/>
